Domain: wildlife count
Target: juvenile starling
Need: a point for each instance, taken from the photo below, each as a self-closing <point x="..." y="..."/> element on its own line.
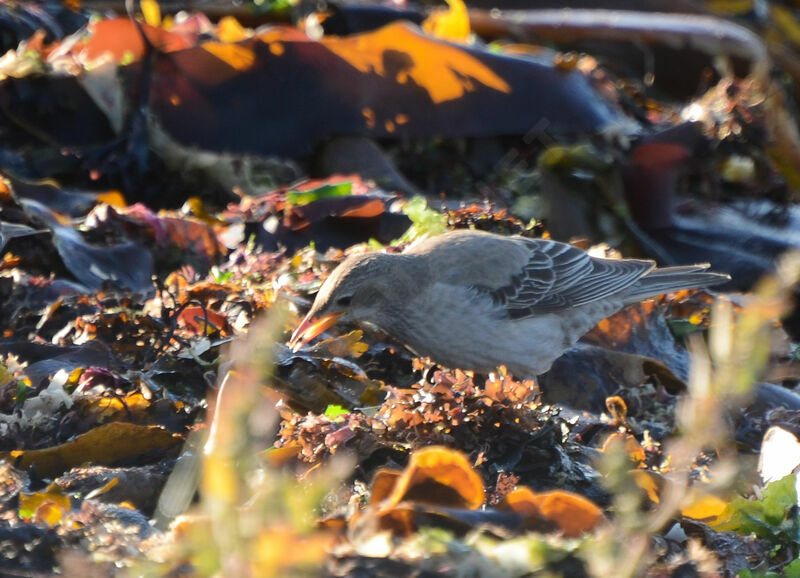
<point x="475" y="300"/>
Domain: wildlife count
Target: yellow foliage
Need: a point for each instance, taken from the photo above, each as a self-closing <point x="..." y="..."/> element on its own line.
<point x="451" y="24"/>
<point x="151" y="12"/>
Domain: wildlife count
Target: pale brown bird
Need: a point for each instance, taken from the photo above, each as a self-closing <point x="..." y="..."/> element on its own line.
<point x="475" y="300"/>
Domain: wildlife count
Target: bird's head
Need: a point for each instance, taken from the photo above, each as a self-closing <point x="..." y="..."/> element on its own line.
<point x="369" y="288"/>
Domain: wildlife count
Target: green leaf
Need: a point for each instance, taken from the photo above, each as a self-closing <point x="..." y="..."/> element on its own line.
<point x="770" y="517"/>
<point x="747" y="573"/>
<point x="23" y="391"/>
<point x="221" y="277"/>
<point x="375" y="245"/>
<point x="426" y="222"/>
<point x="275" y="7"/>
<point x="324" y="192"/>
<point x="333" y="411"/>
<point x="681" y="328"/>
<point x="792" y="569"/>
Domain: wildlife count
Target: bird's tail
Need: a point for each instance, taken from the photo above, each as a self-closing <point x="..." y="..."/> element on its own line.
<point x="669" y="279"/>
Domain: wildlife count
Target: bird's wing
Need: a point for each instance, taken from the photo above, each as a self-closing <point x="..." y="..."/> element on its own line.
<point x="557" y="276"/>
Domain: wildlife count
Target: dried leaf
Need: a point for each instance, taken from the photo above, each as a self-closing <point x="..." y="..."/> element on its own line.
<point x="440" y="476"/>
<point x="633" y="449"/>
<point x="102" y="445"/>
<point x="203" y="321"/>
<point x="347" y="345"/>
<point x="383" y="484"/>
<point x="571" y="513"/>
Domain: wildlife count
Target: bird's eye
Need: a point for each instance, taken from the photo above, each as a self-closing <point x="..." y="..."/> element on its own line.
<point x="344" y="301"/>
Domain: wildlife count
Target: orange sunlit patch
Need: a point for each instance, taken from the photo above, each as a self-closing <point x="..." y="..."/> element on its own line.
<point x="633" y="449"/>
<point x="10" y="261"/>
<point x="113" y="198"/>
<point x="229" y="30"/>
<point x="369" y="117"/>
<point x="282" y="34"/>
<point x="121" y="39"/>
<point x="237" y="56"/>
<point x="443" y="71"/>
<point x="5" y="191"/>
<point x="618" y="329"/>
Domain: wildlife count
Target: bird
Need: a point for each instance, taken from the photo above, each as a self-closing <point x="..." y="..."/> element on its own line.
<point x="476" y="301"/>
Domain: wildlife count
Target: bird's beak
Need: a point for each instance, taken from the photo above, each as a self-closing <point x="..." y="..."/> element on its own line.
<point x="310" y="328"/>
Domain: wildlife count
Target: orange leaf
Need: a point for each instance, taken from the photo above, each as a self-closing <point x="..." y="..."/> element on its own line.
<point x="237" y="56"/>
<point x="349" y="344"/>
<point x="437" y="475"/>
<point x="704" y="507"/>
<point x="633" y="448"/>
<point x="194" y="317"/>
<point x="522" y="501"/>
<point x="192" y="235"/>
<point x="278" y="549"/>
<point x="571" y="513"/>
<point x="618" y="409"/>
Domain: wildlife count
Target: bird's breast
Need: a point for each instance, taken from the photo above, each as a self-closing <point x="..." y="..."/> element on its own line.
<point x="457" y="327"/>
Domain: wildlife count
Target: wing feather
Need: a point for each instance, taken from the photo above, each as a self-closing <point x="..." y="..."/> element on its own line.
<point x="558" y="276"/>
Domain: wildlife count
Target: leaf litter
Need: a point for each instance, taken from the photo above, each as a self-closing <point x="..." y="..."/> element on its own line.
<point x="161" y="196"/>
